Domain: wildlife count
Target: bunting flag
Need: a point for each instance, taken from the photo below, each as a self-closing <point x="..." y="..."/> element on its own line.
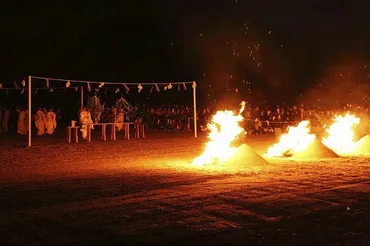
<point x="23" y="83"/>
<point x="22" y="92"/>
<point x="88" y="87"/>
<point x="151" y="89"/>
<point x="15" y="85"/>
<point x="178" y="87"/>
<point x="47" y="83"/>
<point x="68" y="84"/>
<point x="117" y="91"/>
<point x="139" y="88"/>
<point x="126" y="88"/>
<point x="184" y="85"/>
<point x="76" y="88"/>
<point x="157" y="88"/>
<point x="169" y="86"/>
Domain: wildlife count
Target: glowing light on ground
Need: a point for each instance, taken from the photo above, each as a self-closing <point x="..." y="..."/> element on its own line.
<point x="297" y="139"/>
<point x="224" y="129"/>
<point x="341" y="134"/>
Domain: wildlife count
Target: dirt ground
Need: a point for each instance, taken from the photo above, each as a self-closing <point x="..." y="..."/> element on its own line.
<point x="146" y="192"/>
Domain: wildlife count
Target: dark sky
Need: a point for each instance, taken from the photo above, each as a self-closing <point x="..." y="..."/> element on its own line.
<point x="292" y="42"/>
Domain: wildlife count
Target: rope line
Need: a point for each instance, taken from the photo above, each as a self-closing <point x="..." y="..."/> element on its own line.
<point x="113" y="83"/>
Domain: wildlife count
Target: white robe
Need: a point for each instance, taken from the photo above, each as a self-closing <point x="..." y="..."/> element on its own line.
<point x="119" y="121"/>
<point x="40" y="122"/>
<point x="22" y="123"/>
<point x="50" y="122"/>
<point x="85" y="119"/>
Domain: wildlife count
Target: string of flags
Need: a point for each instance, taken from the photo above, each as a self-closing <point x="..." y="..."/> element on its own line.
<point x="100" y="85"/>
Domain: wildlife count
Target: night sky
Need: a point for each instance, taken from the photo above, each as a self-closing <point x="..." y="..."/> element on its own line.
<point x="274" y="48"/>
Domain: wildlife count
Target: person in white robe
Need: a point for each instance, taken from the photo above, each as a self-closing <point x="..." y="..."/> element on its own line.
<point x="40" y="122"/>
<point x="119" y="120"/>
<point x="22" y="122"/>
<point x="85" y="121"/>
<point x="50" y="122"/>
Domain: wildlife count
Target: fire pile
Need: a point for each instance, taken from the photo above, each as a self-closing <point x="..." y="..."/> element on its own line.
<point x="340" y="140"/>
<point x="294" y="141"/>
<point x="224" y="132"/>
<point x="299" y="142"/>
<point x="341" y="134"/>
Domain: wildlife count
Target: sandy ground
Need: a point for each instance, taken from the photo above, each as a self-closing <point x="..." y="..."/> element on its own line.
<point x="146" y="192"/>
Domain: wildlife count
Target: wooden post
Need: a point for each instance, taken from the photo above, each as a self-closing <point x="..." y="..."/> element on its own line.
<point x="29" y="112"/>
<point x="82" y="96"/>
<point x="195" y="109"/>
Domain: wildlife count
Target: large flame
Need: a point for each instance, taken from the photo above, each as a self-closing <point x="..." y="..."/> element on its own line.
<point x="297" y="139"/>
<point x="224" y="129"/>
<point x="341" y="134"/>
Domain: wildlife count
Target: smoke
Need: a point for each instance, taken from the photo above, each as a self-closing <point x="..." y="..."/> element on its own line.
<point x="343" y="82"/>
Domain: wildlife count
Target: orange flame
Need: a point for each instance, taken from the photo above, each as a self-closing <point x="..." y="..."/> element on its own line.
<point x="341" y="134"/>
<point x="297" y="139"/>
<point x="224" y="129"/>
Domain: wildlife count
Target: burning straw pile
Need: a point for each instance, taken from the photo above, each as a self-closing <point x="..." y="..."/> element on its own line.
<point x="221" y="148"/>
<point x="299" y="142"/>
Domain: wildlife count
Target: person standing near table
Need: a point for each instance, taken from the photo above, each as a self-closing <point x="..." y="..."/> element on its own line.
<point x="40" y="122"/>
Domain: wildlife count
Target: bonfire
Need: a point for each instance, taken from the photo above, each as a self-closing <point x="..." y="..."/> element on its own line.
<point x="224" y="130"/>
<point x="341" y="134"/>
<point x="296" y="140"/>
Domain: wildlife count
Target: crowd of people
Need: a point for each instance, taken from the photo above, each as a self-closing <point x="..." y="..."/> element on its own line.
<point x="257" y="120"/>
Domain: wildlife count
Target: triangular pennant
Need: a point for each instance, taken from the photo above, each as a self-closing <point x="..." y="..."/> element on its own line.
<point x="68" y="84"/>
<point x="47" y="83"/>
<point x="157" y="88"/>
<point x="88" y="87"/>
<point x="126" y="88"/>
<point x="117" y="91"/>
<point x="151" y="89"/>
<point x="15" y="85"/>
<point x="179" y="87"/>
<point x="22" y="92"/>
<point x="184" y="85"/>
<point x="23" y="83"/>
